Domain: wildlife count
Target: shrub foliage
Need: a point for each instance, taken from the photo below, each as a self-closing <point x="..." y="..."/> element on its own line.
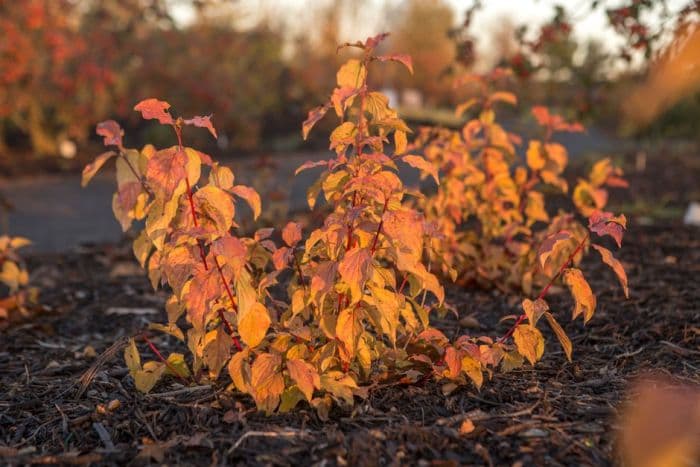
<point x="323" y="315"/>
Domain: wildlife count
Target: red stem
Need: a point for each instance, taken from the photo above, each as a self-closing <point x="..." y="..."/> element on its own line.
<point x="379" y="228"/>
<point x="202" y="255"/>
<point x="162" y="359"/>
<point x="544" y="291"/>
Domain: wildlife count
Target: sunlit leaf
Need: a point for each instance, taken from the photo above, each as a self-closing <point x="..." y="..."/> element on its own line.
<point x="529" y="342"/>
<point x="155" y="109"/>
<point x="561" y="335"/>
<point x="352" y="74"/>
<point x="615" y="265"/>
<point x="253" y="324"/>
<point x="582" y="293"/>
<point x="305" y="375"/>
<point x="250" y="196"/>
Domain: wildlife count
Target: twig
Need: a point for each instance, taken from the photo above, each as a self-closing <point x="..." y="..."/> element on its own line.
<point x="163" y="359"/>
<point x="178" y="392"/>
<point x="544" y="291"/>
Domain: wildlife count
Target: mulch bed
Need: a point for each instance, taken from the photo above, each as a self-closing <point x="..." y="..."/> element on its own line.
<point x="557" y="413"/>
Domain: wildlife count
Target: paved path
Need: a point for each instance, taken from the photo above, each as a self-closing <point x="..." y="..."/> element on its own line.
<point x="57" y="214"/>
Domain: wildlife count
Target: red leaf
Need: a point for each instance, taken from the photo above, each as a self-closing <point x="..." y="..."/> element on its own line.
<point x="291" y="234"/>
<point x="606" y="223"/>
<point x="314" y="116"/>
<point x="372" y="42"/>
<point x="404" y="59"/>
<point x="202" y="122"/>
<point x="111" y="131"/>
<point x="155" y="109"/>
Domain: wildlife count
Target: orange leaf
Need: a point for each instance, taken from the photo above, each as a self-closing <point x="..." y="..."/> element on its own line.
<point x="253" y="324"/>
<point x="314" y="116"/>
<point x="354" y="269"/>
<point x="348" y="330"/>
<point x="155" y="109"/>
<point x="250" y="196"/>
<point x="561" y="335"/>
<point x="418" y="162"/>
<point x="266" y="381"/>
<point x="502" y="96"/>
<point x="453" y="362"/>
<point x="615" y="265"/>
<point x="291" y="234"/>
<point x="166" y="169"/>
<point x="582" y="293"/>
<point x="91" y="169"/>
<point x="305" y="375"/>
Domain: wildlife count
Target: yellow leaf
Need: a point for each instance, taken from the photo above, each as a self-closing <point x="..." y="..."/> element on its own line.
<point x="561" y="335"/>
<point x="170" y="328"/>
<point x="511" y="361"/>
<point x="290" y="398"/>
<point x="132" y="357"/>
<point x="239" y="370"/>
<point x="305" y="375"/>
<point x="472" y="368"/>
<point x="352" y="74"/>
<point x="343" y="136"/>
<point x="529" y="342"/>
<point x="177" y="362"/>
<point x="341" y="385"/>
<point x="582" y="293"/>
<point x="253" y="324"/>
<point x="146" y="378"/>
<point x="385" y="312"/>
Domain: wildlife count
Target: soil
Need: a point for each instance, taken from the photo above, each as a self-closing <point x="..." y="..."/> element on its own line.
<point x="557" y="413"/>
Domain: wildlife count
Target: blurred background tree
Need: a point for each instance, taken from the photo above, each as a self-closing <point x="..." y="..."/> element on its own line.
<point x="259" y="65"/>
